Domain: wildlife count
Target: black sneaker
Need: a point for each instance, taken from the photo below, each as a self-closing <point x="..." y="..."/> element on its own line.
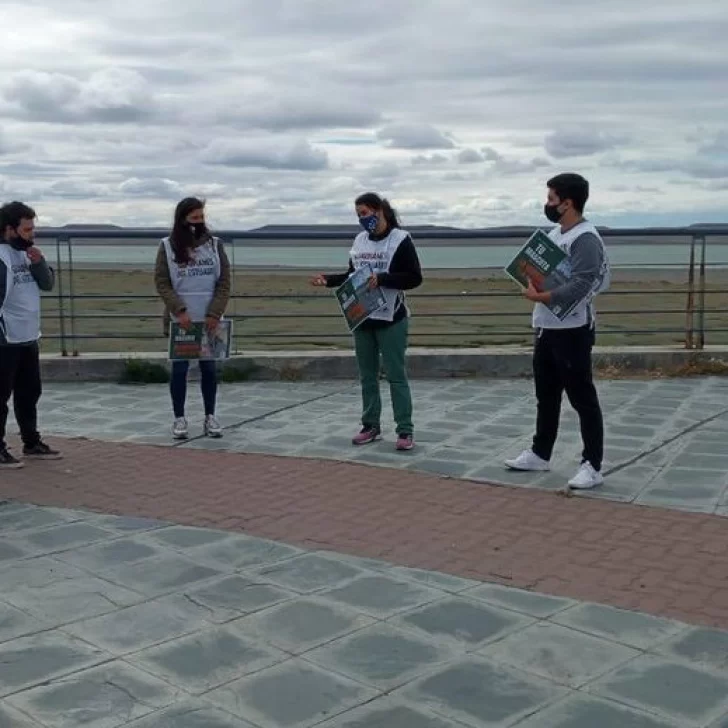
<point x="8" y="461"/>
<point x="368" y="434"/>
<point x="41" y="451"/>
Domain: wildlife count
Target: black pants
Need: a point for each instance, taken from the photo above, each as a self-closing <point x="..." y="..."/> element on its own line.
<point x="562" y="363"/>
<point x="20" y="377"/>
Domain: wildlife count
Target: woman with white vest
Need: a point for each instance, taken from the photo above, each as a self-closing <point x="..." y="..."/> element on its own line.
<point x="192" y="277"/>
<point x="390" y="252"/>
<point x="562" y="359"/>
<point x="24" y="273"/>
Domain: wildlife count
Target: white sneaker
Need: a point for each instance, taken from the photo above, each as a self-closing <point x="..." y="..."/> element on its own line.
<point x="586" y="478"/>
<point x="528" y="462"/>
<point x="212" y="427"/>
<point x="179" y="429"/>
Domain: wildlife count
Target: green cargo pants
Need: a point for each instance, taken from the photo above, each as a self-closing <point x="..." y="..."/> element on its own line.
<point x="391" y="343"/>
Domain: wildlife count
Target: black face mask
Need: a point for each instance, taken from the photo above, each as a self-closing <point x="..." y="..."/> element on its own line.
<point x="199" y="229"/>
<point x="552" y="213"/>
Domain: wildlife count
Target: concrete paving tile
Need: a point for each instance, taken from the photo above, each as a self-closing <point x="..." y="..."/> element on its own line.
<point x="206" y="660"/>
<point x="649" y="683"/>
<point x="584" y="712"/>
<point x="706" y="648"/>
<point x="519" y="600"/>
<point x="308" y="573"/>
<point x="381" y="656"/>
<point x="467" y="623"/>
<point x="243" y="552"/>
<point x="104" y="697"/>
<point x="381" y="596"/>
<point x="235" y="596"/>
<point x="72" y="599"/>
<point x="383" y="713"/>
<point x="559" y="654"/>
<point x="159" y="575"/>
<point x="135" y="628"/>
<point x="185" y="537"/>
<point x="634" y="629"/>
<point x="38" y="658"/>
<point x="302" y="624"/>
<point x="11" y="718"/>
<point x="103" y="556"/>
<point x="292" y="695"/>
<point x="16" y="623"/>
<point x="190" y="714"/>
<point x="480" y="693"/>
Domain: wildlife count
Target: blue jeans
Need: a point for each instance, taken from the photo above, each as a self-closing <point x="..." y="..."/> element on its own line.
<point x="178" y="386"/>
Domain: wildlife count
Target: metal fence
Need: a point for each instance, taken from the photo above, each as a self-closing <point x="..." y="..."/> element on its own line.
<point x="692" y="308"/>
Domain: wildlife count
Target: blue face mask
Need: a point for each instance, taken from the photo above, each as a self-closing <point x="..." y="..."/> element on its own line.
<point x="369" y="223"/>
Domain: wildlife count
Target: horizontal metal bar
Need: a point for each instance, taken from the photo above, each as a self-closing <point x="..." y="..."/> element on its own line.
<point x="439" y="314"/>
<point x="414" y="296"/>
<point x="346" y="233"/>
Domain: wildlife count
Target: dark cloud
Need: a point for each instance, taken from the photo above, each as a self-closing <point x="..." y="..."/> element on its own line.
<point x="269" y="155"/>
<point x="566" y="143"/>
<point x="414" y="136"/>
<point x="302" y="113"/>
<point x="162" y="188"/>
<point x="108" y="96"/>
<point x="470" y="156"/>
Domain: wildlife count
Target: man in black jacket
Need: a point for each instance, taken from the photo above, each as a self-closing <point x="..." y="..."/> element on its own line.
<point x="24" y="272"/>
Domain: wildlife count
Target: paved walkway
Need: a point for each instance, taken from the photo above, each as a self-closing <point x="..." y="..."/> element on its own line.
<point x="115" y="621"/>
<point x="665" y="438"/>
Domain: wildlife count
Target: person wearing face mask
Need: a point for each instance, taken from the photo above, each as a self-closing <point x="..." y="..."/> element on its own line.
<point x="562" y="359"/>
<point x="390" y="252"/>
<point x="24" y="273"/>
<point x="192" y="277"/>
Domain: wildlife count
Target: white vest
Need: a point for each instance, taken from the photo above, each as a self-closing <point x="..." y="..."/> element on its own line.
<point x="583" y="314"/>
<point x="378" y="254"/>
<point x="21" y="311"/>
<point x="195" y="282"/>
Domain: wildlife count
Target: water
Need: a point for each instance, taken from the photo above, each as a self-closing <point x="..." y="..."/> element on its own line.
<point x="333" y="258"/>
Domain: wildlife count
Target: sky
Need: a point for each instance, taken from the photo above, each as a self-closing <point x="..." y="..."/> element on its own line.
<point x="282" y="111"/>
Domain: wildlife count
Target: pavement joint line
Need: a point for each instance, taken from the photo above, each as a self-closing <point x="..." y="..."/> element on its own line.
<point x="258" y="418"/>
<point x="646" y="453"/>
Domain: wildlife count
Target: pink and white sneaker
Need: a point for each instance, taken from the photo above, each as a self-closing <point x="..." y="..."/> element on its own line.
<point x="405" y="441"/>
<point x="368" y="434"/>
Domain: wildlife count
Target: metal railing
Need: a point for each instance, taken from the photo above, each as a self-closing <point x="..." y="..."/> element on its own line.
<point x="701" y="308"/>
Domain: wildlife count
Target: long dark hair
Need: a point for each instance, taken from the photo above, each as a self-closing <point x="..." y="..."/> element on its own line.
<point x="377" y="203"/>
<point x="182" y="239"/>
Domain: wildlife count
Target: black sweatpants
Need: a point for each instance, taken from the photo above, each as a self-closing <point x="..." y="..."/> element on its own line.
<point x="20" y="377"/>
<point x="562" y="363"/>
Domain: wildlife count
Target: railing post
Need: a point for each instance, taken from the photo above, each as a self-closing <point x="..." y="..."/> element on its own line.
<point x="701" y="293"/>
<point x="71" y="295"/>
<point x="229" y="244"/>
<point x="61" y="305"/>
<point x="690" y="305"/>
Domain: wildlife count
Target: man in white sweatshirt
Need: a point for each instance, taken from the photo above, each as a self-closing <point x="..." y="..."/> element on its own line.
<point x="562" y="359"/>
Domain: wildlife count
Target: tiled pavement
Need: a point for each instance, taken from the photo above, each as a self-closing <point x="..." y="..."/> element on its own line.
<point x="111" y="621"/>
<point x="666" y="439"/>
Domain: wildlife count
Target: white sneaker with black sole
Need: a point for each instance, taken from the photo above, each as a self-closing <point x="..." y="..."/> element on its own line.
<point x="180" y="431"/>
<point x="586" y="478"/>
<point x="212" y="427"/>
<point x="529" y="462"/>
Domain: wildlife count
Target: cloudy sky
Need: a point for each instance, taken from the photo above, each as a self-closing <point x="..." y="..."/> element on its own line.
<point x="281" y="111"/>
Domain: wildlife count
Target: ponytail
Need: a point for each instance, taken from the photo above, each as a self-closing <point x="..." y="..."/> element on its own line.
<point x="390" y="214"/>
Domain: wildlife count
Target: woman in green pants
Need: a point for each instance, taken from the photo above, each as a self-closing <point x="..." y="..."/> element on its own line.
<point x="390" y="252"/>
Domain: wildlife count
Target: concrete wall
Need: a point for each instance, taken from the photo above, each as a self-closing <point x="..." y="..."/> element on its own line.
<point x="423" y="363"/>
